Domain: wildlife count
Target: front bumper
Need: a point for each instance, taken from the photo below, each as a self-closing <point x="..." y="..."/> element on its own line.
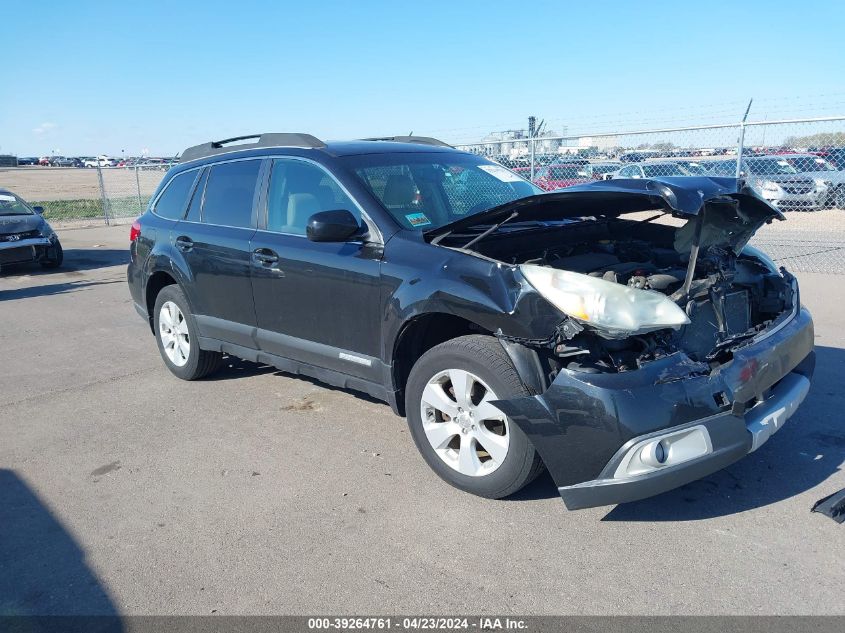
<point x="729" y="441"/>
<point x="584" y="424"/>
<point x="798" y="201"/>
<point x="22" y="251"/>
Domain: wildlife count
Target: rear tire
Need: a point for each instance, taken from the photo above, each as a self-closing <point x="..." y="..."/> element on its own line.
<point x="176" y="334"/>
<point x="468" y="443"/>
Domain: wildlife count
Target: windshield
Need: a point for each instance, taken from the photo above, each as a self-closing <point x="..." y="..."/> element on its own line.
<point x="692" y="168"/>
<point x="720" y="167"/>
<point x="424" y="191"/>
<point x="810" y="163"/>
<point x="598" y="170"/>
<point x="769" y="167"/>
<point x="12" y="205"/>
<point x="563" y="172"/>
<point x="662" y="169"/>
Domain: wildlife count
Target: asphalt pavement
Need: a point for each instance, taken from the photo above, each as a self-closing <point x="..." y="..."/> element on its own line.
<point x="125" y="490"/>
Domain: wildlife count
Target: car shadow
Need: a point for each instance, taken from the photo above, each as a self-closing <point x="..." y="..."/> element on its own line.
<point x="75" y="260"/>
<point x="234" y="368"/>
<point x="42" y="568"/>
<point x="53" y="289"/>
<point x="803" y="454"/>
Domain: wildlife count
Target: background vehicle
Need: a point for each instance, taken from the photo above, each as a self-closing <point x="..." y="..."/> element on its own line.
<point x="62" y="161"/>
<point x="500" y="320"/>
<point x="30" y="160"/>
<point x="560" y="175"/>
<point x="100" y="161"/>
<point x="24" y="235"/>
<point x="652" y="170"/>
<point x="603" y="170"/>
<point x="781" y="184"/>
<point x="824" y="174"/>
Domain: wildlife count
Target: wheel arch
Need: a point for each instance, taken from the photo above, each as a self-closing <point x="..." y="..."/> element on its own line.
<point x="416" y="337"/>
<point x="156" y="282"/>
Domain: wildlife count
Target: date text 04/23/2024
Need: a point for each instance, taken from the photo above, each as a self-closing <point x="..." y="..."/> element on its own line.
<point x="417" y="623"/>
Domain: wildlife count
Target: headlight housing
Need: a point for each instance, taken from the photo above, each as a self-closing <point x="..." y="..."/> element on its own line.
<point x="821" y="183"/>
<point x="616" y="311"/>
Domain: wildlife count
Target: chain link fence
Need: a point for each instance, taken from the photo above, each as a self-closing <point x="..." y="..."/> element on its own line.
<point x="79" y="196"/>
<point x="797" y="164"/>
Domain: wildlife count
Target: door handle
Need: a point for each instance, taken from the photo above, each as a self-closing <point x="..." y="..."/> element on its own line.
<point x="184" y="243"/>
<point x="265" y="256"/>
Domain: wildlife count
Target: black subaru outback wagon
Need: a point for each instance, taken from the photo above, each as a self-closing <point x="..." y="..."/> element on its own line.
<point x="620" y="334"/>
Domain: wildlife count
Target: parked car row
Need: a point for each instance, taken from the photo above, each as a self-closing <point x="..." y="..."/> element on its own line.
<point x="97" y="161"/>
<point x="789" y="180"/>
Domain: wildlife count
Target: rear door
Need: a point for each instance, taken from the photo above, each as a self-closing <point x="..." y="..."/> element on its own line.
<point x="213" y="241"/>
<point x="316" y="302"/>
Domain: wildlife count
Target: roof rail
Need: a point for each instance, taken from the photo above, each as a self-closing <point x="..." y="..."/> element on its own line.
<point x="422" y="140"/>
<point x="272" y="139"/>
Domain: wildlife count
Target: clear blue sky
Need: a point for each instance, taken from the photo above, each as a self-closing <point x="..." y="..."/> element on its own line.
<point x="89" y="77"/>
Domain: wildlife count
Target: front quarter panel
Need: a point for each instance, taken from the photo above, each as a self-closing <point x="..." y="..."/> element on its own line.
<point x="420" y="279"/>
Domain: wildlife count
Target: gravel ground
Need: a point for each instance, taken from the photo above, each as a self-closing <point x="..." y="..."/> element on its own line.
<point x="125" y="490"/>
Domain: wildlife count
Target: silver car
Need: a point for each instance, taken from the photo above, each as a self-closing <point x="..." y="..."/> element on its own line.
<point x="774" y="179"/>
<point x="823" y="173"/>
<point x="781" y="184"/>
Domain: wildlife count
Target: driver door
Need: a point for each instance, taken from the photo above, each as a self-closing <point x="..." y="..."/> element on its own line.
<point x="316" y="302"/>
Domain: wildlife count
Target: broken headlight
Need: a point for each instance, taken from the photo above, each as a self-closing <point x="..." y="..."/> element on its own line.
<point x="613" y="309"/>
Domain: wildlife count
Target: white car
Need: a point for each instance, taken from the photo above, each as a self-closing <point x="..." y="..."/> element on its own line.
<point x="100" y="161"/>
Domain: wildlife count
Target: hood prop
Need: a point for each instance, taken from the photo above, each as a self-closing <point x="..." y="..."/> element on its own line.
<point x="683" y="292"/>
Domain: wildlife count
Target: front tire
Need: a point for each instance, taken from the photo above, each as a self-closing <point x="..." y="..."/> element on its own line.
<point x="56" y="259"/>
<point x="839" y="198"/>
<point x="466" y="440"/>
<point x="176" y="335"/>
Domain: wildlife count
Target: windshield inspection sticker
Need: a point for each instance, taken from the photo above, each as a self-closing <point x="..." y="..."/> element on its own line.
<point x="417" y="219"/>
<point x="497" y="171"/>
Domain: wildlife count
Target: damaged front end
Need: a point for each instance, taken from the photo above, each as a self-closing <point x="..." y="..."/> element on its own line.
<point x="680" y="349"/>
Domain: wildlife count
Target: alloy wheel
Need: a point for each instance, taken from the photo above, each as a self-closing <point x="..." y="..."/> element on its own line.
<point x="465" y="430"/>
<point x="173" y="330"/>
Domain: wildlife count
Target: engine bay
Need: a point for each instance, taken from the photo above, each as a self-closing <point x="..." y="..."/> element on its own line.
<point x="728" y="298"/>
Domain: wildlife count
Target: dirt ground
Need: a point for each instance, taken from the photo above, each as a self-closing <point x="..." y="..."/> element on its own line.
<point x="69" y="183"/>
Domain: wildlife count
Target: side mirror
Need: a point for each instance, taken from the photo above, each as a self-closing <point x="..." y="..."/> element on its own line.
<point x="38" y="210"/>
<point x="332" y="226"/>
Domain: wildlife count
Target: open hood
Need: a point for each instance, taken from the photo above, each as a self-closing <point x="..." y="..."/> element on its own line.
<point x="680" y="196"/>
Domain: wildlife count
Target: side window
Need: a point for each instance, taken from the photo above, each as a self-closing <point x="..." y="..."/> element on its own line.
<point x="196" y="200"/>
<point x="625" y="172"/>
<point x="173" y="200"/>
<point x="298" y="190"/>
<point x="229" y="192"/>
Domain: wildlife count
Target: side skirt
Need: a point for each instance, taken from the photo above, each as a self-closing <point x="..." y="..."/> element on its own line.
<point x="328" y="376"/>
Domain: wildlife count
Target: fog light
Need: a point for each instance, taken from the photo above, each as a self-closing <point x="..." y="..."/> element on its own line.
<point x="654" y="454"/>
<point x="664" y="451"/>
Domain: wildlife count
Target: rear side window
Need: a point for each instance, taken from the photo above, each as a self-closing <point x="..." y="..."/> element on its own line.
<point x="229" y="192"/>
<point x="173" y="200"/>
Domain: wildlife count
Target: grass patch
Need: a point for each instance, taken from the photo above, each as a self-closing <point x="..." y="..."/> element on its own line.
<point x="91" y="208"/>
